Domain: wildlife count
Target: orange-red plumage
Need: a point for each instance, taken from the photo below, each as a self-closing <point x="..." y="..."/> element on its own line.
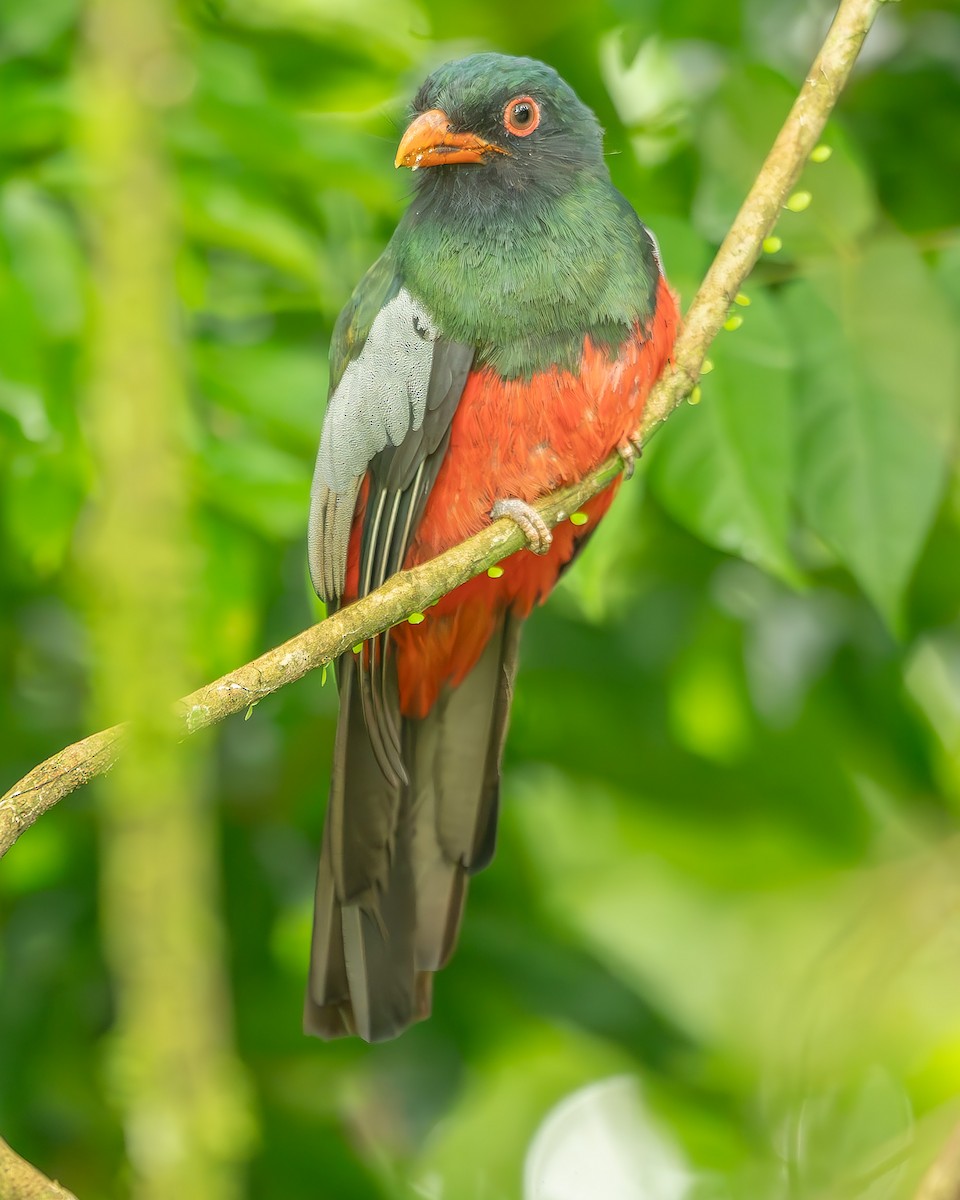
<point x="523" y="438"/>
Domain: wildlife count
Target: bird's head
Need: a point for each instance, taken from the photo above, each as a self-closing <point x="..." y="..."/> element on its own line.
<point x="510" y="122"/>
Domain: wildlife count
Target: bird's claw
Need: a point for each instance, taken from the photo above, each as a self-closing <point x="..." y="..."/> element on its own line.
<point x="630" y="449"/>
<point x="533" y="525"/>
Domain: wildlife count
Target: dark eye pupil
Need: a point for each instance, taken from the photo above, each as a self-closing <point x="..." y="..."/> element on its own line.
<point x="522" y="115"/>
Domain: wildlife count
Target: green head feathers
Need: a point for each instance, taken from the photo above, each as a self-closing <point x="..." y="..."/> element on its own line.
<point x="516" y="241"/>
<point x="475" y="93"/>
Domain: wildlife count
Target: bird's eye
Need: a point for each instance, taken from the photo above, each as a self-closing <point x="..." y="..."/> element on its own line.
<point x="521" y="116"/>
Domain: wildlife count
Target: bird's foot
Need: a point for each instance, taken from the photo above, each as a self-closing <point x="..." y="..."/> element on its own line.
<point x="630" y="449"/>
<point x="533" y="525"/>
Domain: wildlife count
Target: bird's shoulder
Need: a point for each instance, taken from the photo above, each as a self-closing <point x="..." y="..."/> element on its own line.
<point x="381" y="284"/>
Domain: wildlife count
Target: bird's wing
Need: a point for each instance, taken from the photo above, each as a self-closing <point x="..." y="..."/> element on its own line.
<point x="395" y="382"/>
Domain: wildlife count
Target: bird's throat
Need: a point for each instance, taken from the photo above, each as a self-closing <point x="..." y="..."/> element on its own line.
<point x="525" y="277"/>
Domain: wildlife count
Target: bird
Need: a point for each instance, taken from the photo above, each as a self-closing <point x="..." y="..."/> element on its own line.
<point x="502" y="345"/>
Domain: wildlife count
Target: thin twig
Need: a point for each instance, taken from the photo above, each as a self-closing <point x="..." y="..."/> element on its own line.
<point x="415" y="590"/>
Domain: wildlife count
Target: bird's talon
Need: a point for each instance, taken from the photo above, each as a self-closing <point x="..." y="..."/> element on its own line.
<point x="630" y="449"/>
<point x="535" y="529"/>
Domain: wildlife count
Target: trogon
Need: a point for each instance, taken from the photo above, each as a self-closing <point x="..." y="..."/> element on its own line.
<point x="503" y="344"/>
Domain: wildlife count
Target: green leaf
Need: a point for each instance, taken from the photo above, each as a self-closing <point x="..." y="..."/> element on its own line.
<point x="734" y="139"/>
<point x="856" y="1130"/>
<point x="21" y="355"/>
<point x="45" y="254"/>
<point x="875" y="422"/>
<point x="386" y="29"/>
<point x="280" y="385"/>
<point x="29" y="27"/>
<point x="724" y="469"/>
<point x="266" y="489"/>
<point x="606" y="575"/>
<point x="34" y="113"/>
<point x="42" y="498"/>
<point x="40" y="863"/>
<point x="948" y="273"/>
<point x="232" y="580"/>
<point x="23" y="382"/>
<point x="240" y="218"/>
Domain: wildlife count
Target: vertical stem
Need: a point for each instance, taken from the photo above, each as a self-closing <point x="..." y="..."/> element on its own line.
<point x="175" y="1080"/>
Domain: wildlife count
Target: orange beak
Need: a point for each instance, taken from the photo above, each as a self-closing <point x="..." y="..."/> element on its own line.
<point x="430" y="142"/>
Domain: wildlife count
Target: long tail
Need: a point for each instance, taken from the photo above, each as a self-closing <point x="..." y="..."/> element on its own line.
<point x="397" y="856"/>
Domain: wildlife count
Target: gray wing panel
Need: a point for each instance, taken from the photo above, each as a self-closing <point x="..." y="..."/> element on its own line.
<point x="382" y="394"/>
<point x="389" y="412"/>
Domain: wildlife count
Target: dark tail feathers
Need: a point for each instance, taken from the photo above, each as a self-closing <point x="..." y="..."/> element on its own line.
<point x="396" y="856"/>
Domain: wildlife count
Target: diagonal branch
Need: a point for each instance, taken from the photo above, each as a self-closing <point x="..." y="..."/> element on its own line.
<point x="942" y="1180"/>
<point x="21" y="1181"/>
<point x="415" y="590"/>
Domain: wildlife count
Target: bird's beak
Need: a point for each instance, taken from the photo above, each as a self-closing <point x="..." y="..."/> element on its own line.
<point x="430" y="142"/>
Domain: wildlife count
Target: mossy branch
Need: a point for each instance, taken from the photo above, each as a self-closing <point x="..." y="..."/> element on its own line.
<point x="415" y="590"/>
<point x="21" y="1181"/>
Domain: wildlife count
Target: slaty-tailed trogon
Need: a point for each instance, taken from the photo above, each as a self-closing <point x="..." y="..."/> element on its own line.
<point x="503" y="344"/>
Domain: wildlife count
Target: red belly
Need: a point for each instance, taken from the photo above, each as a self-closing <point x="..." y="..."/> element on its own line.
<point x="519" y="438"/>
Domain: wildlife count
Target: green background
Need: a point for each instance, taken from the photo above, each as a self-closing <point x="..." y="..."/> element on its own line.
<point x="728" y="856"/>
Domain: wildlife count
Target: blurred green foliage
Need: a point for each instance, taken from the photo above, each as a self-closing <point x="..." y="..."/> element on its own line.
<point x="728" y="862"/>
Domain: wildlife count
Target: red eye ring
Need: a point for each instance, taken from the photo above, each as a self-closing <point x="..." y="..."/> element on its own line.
<point x="521" y="116"/>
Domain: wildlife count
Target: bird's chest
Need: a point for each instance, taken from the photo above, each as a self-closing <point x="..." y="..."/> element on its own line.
<point x="524" y="437"/>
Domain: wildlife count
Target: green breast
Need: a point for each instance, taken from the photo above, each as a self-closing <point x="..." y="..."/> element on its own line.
<point x="526" y="288"/>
